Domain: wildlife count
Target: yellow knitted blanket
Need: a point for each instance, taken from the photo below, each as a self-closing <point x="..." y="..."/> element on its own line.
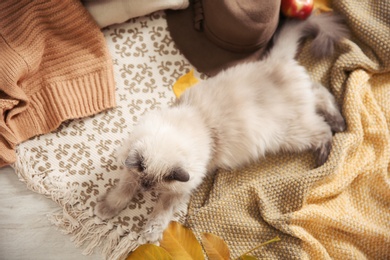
<point x="342" y="209"/>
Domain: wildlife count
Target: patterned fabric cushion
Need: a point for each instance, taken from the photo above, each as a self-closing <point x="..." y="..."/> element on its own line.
<point x="77" y="163"/>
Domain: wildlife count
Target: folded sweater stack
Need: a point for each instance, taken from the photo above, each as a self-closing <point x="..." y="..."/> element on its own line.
<point x="54" y="66"/>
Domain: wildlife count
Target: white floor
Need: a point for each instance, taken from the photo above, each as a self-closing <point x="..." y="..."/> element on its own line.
<point x="25" y="232"/>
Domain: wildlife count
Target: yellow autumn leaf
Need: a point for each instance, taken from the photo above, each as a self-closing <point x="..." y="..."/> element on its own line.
<point x="323" y="5"/>
<point x="215" y="247"/>
<point x="184" y="82"/>
<point x="181" y="243"/>
<point x="149" y="252"/>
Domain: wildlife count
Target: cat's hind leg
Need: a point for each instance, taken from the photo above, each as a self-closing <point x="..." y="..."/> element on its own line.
<point x="327" y="107"/>
<point x="322" y="152"/>
<point x="309" y="131"/>
<point x="320" y="136"/>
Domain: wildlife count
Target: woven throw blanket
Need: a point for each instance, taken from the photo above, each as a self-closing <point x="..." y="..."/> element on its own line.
<point x="342" y="209"/>
<point x="77" y="163"/>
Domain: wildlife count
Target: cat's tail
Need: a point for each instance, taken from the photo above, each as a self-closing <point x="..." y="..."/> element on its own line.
<point x="327" y="30"/>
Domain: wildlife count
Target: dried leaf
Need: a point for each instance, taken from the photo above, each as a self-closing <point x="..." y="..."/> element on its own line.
<point x="150" y="252"/>
<point x="184" y="82"/>
<point x="181" y="243"/>
<point x="247" y="257"/>
<point x="215" y="247"/>
<point x="323" y="5"/>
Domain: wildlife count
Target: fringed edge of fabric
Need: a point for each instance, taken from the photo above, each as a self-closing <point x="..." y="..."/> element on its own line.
<point x="85" y="230"/>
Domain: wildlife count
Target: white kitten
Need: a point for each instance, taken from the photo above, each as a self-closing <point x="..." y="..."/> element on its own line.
<point x="228" y="121"/>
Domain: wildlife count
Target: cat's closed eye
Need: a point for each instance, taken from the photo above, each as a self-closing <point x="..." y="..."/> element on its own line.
<point x="141" y="166"/>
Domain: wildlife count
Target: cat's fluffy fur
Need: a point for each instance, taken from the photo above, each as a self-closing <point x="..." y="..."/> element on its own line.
<point x="228" y="121"/>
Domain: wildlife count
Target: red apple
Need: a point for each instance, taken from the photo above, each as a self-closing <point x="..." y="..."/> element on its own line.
<point x="300" y="9"/>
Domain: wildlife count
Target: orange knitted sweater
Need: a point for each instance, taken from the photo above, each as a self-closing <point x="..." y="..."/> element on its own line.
<point x="54" y="66"/>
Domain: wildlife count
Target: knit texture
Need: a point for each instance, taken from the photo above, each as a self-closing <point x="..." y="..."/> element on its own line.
<point x="342" y="209"/>
<point x="54" y="66"/>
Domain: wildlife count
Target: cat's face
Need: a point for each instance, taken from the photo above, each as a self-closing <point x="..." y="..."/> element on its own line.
<point x="157" y="159"/>
<point x="155" y="173"/>
<point x="167" y="153"/>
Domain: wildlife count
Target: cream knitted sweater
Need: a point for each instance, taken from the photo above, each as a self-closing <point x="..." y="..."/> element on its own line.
<point x="54" y="66"/>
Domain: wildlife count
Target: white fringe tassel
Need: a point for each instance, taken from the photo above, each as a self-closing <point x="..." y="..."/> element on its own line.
<point x="85" y="229"/>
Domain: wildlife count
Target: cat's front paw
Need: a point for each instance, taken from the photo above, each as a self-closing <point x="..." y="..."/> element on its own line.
<point x="151" y="236"/>
<point x="153" y="231"/>
<point x="105" y="210"/>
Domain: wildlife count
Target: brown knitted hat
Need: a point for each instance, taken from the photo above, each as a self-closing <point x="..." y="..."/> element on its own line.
<point x="216" y="34"/>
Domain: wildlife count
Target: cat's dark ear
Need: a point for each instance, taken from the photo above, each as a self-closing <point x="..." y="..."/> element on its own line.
<point x="178" y="174"/>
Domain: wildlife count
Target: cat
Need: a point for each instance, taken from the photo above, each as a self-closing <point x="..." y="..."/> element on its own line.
<point x="228" y="121"/>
